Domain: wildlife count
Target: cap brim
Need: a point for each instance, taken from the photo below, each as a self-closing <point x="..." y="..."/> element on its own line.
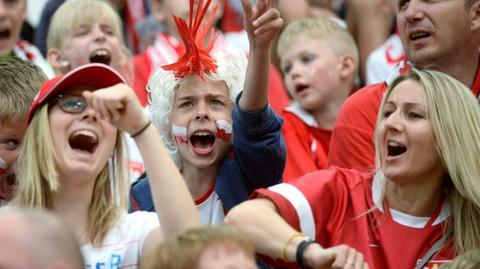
<point x="93" y="75"/>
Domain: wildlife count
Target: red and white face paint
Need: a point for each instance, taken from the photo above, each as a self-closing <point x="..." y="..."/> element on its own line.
<point x="180" y="134"/>
<point x="3" y="166"/>
<point x="224" y="130"/>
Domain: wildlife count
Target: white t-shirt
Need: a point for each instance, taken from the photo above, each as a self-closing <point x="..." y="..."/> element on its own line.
<point x="210" y="208"/>
<point x="383" y="60"/>
<point x="123" y="245"/>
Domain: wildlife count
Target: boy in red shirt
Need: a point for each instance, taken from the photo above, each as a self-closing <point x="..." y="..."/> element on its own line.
<point x="319" y="60"/>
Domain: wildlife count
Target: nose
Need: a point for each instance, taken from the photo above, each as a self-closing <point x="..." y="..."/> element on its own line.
<point x="202" y="112"/>
<point x="394" y="122"/>
<point x="90" y="114"/>
<point x="295" y="70"/>
<point x="3" y="11"/>
<point x="412" y="11"/>
<point x="99" y="35"/>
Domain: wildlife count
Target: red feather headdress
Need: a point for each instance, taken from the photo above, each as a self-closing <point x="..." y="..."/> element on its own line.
<point x="196" y="58"/>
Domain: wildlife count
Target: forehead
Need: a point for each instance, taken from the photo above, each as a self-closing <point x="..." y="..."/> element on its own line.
<point x="15" y="126"/>
<point x="408" y="91"/>
<point x="195" y="86"/>
<point x="303" y="43"/>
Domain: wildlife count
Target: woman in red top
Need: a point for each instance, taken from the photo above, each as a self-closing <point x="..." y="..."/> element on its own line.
<point x="418" y="210"/>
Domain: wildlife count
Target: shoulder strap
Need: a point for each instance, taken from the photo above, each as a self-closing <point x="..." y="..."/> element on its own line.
<point x="434" y="249"/>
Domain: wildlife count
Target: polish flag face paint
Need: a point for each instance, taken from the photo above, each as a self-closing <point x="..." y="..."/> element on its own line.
<point x="180" y="134"/>
<point x="224" y="130"/>
<point x="3" y="166"/>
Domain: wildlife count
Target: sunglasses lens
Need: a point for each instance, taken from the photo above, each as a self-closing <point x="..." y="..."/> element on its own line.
<point x="72" y="103"/>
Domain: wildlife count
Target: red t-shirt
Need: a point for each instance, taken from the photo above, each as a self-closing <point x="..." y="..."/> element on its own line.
<point x="351" y="145"/>
<point x="331" y="206"/>
<point x="307" y="145"/>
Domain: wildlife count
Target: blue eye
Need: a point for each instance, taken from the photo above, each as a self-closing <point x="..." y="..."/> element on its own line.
<point x="72" y="103"/>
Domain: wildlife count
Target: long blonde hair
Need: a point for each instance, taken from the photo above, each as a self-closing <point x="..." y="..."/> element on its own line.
<point x="38" y="179"/>
<point x="454" y="114"/>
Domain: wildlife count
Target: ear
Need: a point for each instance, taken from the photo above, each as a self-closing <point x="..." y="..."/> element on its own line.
<point x="348" y="65"/>
<point x="56" y="60"/>
<point x="474" y="13"/>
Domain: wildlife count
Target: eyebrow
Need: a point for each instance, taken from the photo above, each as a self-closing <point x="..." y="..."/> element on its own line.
<point x="408" y="104"/>
<point x="208" y="95"/>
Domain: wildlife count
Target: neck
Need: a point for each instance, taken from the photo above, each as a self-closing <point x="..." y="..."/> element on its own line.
<point x="199" y="180"/>
<point x="465" y="72"/>
<point x="413" y="199"/>
<point x="326" y="115"/>
<point x="72" y="204"/>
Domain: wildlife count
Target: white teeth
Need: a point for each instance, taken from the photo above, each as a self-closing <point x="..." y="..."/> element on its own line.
<point x="394" y="144"/>
<point x="202" y="133"/>
<point x="86" y="133"/>
<point x="417" y="35"/>
<point x="100" y="53"/>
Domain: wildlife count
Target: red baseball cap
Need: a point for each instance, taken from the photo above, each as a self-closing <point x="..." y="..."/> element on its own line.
<point x="94" y="75"/>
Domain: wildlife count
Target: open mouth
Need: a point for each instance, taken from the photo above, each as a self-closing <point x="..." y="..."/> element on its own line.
<point x="300" y="87"/>
<point x="101" y="56"/>
<point x="418" y="35"/>
<point x="202" y="141"/>
<point x="5" y="34"/>
<point x="395" y="149"/>
<point x="83" y="140"/>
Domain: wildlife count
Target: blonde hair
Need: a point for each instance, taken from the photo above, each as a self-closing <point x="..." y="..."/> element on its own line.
<point x="338" y="38"/>
<point x="185" y="251"/>
<point x="468" y="260"/>
<point x="231" y="69"/>
<point x="19" y="83"/>
<point x="453" y="112"/>
<point x="75" y="12"/>
<point x="38" y="179"/>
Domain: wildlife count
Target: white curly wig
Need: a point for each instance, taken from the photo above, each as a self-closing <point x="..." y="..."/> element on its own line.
<point x="231" y="68"/>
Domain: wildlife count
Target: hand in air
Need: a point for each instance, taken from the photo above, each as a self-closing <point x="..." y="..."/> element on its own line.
<point x="262" y="22"/>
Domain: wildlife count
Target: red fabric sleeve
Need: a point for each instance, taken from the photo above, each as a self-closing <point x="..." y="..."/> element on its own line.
<point x="142" y="68"/>
<point x="351" y="145"/>
<point x="327" y="193"/>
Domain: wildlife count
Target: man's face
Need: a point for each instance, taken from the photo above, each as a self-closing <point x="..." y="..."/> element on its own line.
<point x="12" y="15"/>
<point x="434" y="32"/>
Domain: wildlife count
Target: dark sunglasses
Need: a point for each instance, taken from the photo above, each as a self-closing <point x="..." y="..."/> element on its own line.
<point x="71" y="103"/>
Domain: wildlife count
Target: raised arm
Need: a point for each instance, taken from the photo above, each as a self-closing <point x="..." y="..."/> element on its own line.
<point x="262" y="23"/>
<point x="173" y="202"/>
<point x="272" y="236"/>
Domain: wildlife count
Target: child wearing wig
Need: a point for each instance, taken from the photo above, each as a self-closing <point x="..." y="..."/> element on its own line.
<point x="72" y="163"/>
<point x="226" y="143"/>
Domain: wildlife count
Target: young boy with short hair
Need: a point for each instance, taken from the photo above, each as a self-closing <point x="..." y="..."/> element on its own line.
<point x="226" y="143"/>
<point x="319" y="61"/>
<point x="19" y="83"/>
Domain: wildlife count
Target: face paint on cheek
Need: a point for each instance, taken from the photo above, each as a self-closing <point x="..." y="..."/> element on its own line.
<point x="180" y="134"/>
<point x="3" y="166"/>
<point x="224" y="130"/>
